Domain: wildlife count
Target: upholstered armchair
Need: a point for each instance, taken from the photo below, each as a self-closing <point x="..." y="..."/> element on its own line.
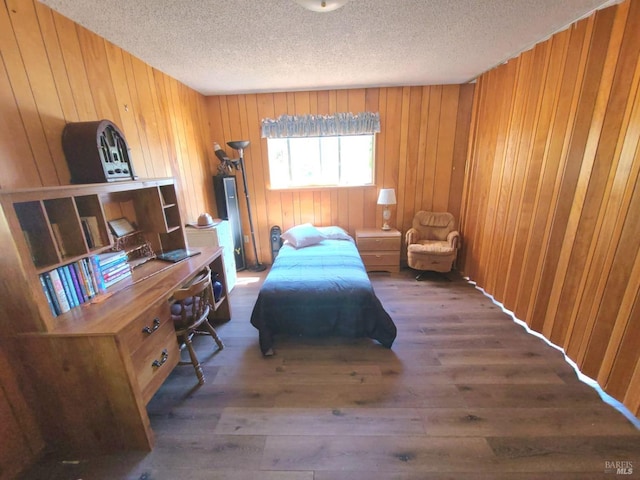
<point x="432" y="242"/>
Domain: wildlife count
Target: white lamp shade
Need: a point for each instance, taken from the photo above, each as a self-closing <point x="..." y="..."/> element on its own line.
<point x="320" y="5"/>
<point x="387" y="196"/>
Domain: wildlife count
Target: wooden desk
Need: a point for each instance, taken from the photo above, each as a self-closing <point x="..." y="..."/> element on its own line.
<point x="92" y="375"/>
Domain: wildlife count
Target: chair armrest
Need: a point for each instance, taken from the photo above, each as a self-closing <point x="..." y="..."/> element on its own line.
<point x="454" y="239"/>
<point x="412" y="236"/>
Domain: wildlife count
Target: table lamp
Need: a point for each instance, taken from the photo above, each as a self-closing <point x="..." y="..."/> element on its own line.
<point x="386" y="197"/>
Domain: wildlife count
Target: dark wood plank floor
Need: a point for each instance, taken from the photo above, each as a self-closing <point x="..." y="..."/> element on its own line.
<point x="464" y="393"/>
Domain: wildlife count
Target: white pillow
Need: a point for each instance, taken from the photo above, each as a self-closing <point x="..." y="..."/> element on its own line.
<point x="334" y="233"/>
<point x="303" y="235"/>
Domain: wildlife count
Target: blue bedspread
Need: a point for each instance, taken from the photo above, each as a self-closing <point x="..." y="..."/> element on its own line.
<point x="320" y="290"/>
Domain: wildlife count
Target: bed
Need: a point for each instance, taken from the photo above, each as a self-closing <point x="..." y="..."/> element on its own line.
<point x="320" y="288"/>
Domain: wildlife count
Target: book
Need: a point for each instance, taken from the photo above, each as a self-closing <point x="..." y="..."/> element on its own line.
<point x="96" y="273"/>
<point x="82" y="297"/>
<point x="81" y="278"/>
<point x="58" y="289"/>
<point x="47" y="293"/>
<point x="33" y="247"/>
<point x="87" y="233"/>
<point x="94" y="230"/>
<point x="114" y="267"/>
<point x="106" y="259"/>
<point x="94" y="283"/>
<point x="57" y="234"/>
<point x="67" y="273"/>
<point x="65" y="276"/>
<point x="107" y="275"/>
<point x="86" y="277"/>
<point x="65" y="286"/>
<point x="121" y="227"/>
<point x="177" y="255"/>
<point x="54" y="299"/>
<point x="117" y="278"/>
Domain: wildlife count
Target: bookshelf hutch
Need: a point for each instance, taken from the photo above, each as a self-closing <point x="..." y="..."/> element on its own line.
<point x="90" y="372"/>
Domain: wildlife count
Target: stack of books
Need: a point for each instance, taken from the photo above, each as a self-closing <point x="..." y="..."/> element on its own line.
<point x="72" y="285"/>
<point x="112" y="266"/>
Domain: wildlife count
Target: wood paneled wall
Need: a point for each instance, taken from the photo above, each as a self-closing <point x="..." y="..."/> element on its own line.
<point x="420" y="151"/>
<point x="551" y="219"/>
<point x="52" y="71"/>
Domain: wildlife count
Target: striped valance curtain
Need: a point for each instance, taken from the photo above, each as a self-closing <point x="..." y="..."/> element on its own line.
<point x="286" y="126"/>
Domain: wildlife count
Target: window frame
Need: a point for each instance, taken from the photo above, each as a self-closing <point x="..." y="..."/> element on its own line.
<point x="322" y="186"/>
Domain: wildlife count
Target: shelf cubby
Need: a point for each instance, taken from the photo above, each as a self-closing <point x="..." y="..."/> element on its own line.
<point x="172" y="217"/>
<point x="168" y="194"/>
<point x="65" y="226"/>
<point x="90" y="209"/>
<point x="172" y="240"/>
<point x="150" y="211"/>
<point x="37" y="233"/>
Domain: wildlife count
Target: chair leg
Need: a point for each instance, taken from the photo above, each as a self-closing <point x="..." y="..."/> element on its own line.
<point x="213" y="333"/>
<point x="194" y="359"/>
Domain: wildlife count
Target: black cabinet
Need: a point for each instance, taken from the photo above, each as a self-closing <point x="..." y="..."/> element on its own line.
<point x="226" y="193"/>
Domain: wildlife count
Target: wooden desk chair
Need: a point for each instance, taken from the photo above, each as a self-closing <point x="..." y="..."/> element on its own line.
<point x="190" y="308"/>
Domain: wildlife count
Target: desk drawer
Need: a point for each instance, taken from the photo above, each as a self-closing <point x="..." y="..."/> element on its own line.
<point x="161" y="348"/>
<point x="378" y="243"/>
<point x="146" y="326"/>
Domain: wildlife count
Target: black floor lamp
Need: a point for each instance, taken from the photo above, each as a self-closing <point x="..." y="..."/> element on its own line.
<point x="240" y="145"/>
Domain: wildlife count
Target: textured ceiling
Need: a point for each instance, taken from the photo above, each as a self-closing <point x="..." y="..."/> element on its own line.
<point x="242" y="46"/>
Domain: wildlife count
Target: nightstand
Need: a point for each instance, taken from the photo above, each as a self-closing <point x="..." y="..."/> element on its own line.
<point x="379" y="249"/>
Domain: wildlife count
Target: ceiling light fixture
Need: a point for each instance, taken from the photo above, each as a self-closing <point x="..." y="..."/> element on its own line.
<point x="321" y="5"/>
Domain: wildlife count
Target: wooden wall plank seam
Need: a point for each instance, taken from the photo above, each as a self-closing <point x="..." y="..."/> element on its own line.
<point x="398" y="215"/>
<point x="467" y="208"/>
<point x="550" y="160"/>
<point x="592" y="183"/>
<point x="539" y="161"/>
<point x="74" y="66"/>
<point x="529" y="119"/>
<point x="568" y="173"/>
<point x="463" y="125"/>
<point x="41" y="82"/>
<point x="573" y="75"/>
<point x="595" y="174"/>
<point x="530" y="174"/>
<point x="609" y="222"/>
<point x="587" y="89"/>
<point x="23" y="97"/>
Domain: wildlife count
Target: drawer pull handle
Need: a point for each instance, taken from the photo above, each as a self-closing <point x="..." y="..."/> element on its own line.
<point x="163" y="358"/>
<point x="150" y="330"/>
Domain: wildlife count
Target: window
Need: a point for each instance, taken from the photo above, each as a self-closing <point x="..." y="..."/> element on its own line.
<point x="345" y="160"/>
<point x="321" y="150"/>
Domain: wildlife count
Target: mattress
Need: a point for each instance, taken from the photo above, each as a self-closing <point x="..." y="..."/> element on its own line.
<point x="320" y="290"/>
